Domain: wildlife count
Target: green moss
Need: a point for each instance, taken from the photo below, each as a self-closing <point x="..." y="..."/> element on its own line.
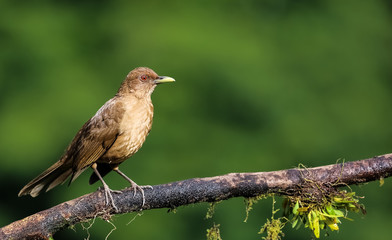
<point x="322" y="213"/>
<point x="274" y="226"/>
<point x="250" y="201"/>
<point x="211" y="210"/>
<point x="214" y="233"/>
<point x="381" y="181"/>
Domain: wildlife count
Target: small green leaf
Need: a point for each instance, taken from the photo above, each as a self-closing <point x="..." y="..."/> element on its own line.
<point x="316" y="227"/>
<point x="332" y="224"/>
<point x="338" y="213"/>
<point x="295" y="222"/>
<point x="303" y="209"/>
<point x="322" y="224"/>
<point x="300" y="223"/>
<point x="295" y="208"/>
<point x="310" y="220"/>
<point x="329" y="210"/>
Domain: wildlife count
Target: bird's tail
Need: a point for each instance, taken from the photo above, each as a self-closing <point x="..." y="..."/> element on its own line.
<point x="51" y="177"/>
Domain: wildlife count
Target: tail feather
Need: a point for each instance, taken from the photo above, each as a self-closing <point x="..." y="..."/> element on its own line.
<point x="60" y="179"/>
<point x="53" y="176"/>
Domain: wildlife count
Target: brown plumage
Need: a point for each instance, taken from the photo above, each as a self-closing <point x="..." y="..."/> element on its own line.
<point x="113" y="134"/>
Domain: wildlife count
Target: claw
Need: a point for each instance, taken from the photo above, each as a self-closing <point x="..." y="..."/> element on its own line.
<point x="134" y="186"/>
<point x="109" y="197"/>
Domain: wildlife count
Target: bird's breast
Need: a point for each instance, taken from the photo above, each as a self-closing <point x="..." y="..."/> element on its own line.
<point x="134" y="128"/>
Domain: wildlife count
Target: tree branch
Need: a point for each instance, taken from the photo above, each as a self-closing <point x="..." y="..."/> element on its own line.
<point x="44" y="224"/>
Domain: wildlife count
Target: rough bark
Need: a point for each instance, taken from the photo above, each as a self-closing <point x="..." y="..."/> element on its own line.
<point x="44" y="224"/>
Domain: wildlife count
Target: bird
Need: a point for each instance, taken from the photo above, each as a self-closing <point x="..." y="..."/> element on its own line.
<point x="115" y="133"/>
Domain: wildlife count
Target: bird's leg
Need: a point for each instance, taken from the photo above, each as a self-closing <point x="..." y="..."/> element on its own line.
<point x="133" y="184"/>
<point x="107" y="190"/>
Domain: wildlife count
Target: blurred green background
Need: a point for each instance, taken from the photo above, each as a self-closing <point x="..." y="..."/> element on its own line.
<point x="261" y="86"/>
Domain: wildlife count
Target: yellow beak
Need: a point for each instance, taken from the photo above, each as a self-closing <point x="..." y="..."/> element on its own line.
<point x="164" y="79"/>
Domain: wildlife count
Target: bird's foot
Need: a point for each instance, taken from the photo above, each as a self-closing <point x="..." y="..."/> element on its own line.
<point x="109" y="197"/>
<point x="136" y="187"/>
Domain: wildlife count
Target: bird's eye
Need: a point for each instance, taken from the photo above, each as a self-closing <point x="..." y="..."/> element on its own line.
<point x="143" y="77"/>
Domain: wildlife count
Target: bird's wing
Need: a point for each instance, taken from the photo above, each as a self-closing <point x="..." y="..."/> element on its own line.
<point x="96" y="137"/>
<point x="92" y="141"/>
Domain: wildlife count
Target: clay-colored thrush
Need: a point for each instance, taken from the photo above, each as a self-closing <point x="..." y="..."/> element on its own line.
<point x="113" y="134"/>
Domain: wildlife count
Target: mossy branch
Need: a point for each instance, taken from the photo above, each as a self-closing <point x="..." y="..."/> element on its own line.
<point x="44" y="224"/>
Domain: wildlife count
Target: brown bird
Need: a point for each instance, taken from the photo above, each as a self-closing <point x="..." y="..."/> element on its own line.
<point x="112" y="135"/>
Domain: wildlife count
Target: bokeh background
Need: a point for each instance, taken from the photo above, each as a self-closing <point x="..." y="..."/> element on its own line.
<point x="261" y="86"/>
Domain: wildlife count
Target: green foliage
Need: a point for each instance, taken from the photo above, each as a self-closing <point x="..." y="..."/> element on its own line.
<point x="315" y="213"/>
<point x="319" y="215"/>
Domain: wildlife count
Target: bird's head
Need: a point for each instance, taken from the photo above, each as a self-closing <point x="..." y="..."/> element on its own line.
<point x="142" y="81"/>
